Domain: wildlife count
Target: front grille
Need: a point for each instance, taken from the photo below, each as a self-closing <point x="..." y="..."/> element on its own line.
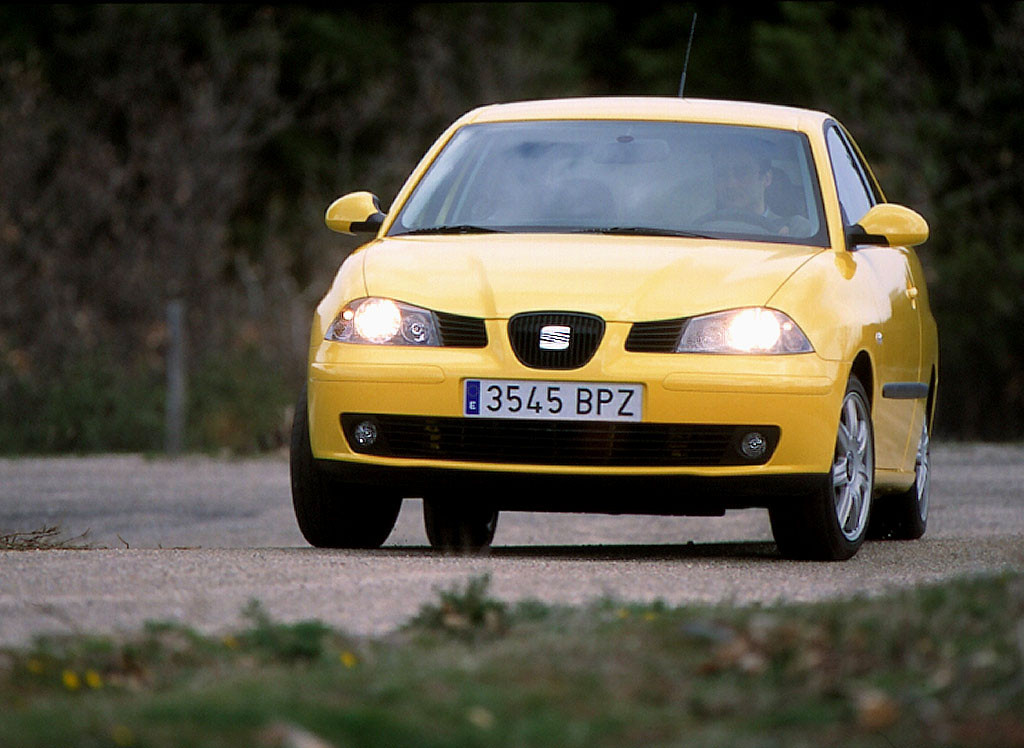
<point x="556" y="442"/>
<point x="585" y="333"/>
<point x="461" y="332"/>
<point x="660" y="336"/>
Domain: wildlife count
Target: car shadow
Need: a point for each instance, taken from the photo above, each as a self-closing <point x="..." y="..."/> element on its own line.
<point x="748" y="551"/>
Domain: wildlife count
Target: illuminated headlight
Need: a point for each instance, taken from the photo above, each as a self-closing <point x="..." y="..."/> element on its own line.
<point x="377" y="321"/>
<point x="752" y="330"/>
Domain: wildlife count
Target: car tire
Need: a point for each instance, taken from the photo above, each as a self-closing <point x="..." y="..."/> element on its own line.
<point x="905" y="516"/>
<point x="832" y="522"/>
<point x="332" y="512"/>
<point x="459" y="525"/>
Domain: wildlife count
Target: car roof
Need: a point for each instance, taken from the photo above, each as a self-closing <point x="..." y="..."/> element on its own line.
<point x="653" y="108"/>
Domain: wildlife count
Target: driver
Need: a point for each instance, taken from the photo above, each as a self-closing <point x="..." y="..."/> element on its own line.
<point x="742" y="177"/>
<point x="740" y="181"/>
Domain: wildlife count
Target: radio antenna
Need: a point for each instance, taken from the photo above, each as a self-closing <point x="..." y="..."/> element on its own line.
<point x="686" y="62"/>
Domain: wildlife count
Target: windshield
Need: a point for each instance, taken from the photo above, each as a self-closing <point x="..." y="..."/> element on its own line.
<point x="628" y="177"/>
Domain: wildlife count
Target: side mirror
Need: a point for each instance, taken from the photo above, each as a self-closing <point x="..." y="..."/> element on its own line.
<point x="890" y="224"/>
<point x="355" y="212"/>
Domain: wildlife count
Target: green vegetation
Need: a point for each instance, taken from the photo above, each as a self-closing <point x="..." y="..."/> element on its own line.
<point x="159" y="152"/>
<point x="942" y="666"/>
<point x="238" y="400"/>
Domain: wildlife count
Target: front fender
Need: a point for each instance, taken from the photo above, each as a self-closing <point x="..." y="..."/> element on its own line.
<point x="834" y="300"/>
<point x="348" y="284"/>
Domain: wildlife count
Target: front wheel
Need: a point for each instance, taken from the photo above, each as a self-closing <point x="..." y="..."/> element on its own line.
<point x="459" y="525"/>
<point x="331" y="511"/>
<point x="831" y="523"/>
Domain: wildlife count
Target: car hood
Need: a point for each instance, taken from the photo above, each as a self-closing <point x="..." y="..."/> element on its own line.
<point x="618" y="278"/>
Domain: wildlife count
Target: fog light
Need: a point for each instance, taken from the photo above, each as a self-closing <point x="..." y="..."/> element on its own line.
<point x="753" y="446"/>
<point x="365" y="433"/>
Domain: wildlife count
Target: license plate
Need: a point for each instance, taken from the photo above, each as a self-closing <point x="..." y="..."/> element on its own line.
<point x="563" y="401"/>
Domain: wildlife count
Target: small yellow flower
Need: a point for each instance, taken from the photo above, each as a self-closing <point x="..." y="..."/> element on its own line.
<point x="230" y="642"/>
<point x="650" y="616"/>
<point x="35" y="666"/>
<point x="622" y="613"/>
<point x="93" y="679"/>
<point x="348" y="659"/>
<point x="71" y="680"/>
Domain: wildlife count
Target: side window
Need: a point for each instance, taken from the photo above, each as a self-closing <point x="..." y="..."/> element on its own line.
<point x="855" y="197"/>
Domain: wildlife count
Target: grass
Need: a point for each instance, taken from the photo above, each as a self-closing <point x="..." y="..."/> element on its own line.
<point x="940" y="666"/>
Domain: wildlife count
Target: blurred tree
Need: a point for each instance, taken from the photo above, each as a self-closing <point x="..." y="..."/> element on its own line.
<point x="132" y="146"/>
<point x="148" y="152"/>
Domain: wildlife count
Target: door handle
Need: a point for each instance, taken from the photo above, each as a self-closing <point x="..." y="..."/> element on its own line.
<point x="912" y="295"/>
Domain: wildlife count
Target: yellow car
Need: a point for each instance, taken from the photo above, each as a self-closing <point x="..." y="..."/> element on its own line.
<point x="624" y="305"/>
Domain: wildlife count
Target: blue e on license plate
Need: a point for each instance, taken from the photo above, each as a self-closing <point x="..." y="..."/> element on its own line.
<point x="564" y="401"/>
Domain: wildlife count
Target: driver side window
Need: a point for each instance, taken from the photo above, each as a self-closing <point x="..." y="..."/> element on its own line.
<point x="855" y="198"/>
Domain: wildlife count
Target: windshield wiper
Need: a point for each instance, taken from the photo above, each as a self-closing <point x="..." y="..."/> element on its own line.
<point x="642" y="231"/>
<point x="462" y="228"/>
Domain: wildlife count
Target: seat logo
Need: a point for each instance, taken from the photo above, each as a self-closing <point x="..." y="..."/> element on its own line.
<point x="555" y="337"/>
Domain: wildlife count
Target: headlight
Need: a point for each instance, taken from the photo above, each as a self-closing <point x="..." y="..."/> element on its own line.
<point x="753" y="330"/>
<point x="379" y="321"/>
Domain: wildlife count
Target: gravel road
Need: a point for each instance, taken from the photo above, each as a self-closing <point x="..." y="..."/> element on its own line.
<point x="193" y="540"/>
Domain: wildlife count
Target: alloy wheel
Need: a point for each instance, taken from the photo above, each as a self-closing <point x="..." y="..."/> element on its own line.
<point x="853" y="467"/>
<point x="921" y="469"/>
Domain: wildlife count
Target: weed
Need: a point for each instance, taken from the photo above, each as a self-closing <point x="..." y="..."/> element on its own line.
<point x="303" y="640"/>
<point x="46" y="538"/>
<point x="464" y="609"/>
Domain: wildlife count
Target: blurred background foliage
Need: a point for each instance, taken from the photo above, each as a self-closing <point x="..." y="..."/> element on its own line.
<point x="155" y="152"/>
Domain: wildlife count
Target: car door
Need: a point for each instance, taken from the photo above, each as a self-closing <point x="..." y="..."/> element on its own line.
<point x="896" y="349"/>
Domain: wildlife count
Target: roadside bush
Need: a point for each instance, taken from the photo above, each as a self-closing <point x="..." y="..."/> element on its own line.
<point x="237" y="402"/>
<point x="240" y="402"/>
<point x="97" y="404"/>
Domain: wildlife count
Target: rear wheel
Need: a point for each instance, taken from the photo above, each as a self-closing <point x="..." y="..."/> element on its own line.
<point x="458" y="524"/>
<point x="831" y="523"/>
<point x="905" y="516"/>
<point x="331" y="511"/>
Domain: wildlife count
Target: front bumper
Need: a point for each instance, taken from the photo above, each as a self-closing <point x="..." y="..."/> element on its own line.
<point x="800" y="395"/>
